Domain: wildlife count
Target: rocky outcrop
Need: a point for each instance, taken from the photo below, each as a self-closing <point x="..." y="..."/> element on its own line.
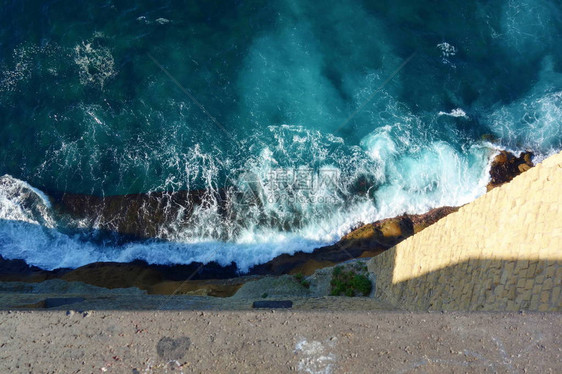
<point x="12" y="270"/>
<point x="215" y="280"/>
<point x="507" y="166"/>
<point x="421" y="221"/>
<point x="193" y="279"/>
<point x="388" y="232"/>
<point x="163" y="214"/>
<point x="273" y="287"/>
<point x="61" y="287"/>
<point x="365" y="241"/>
<point x="138" y="216"/>
<point x="209" y="287"/>
<point x="115" y="275"/>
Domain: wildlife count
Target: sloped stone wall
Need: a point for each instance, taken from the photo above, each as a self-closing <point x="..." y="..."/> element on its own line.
<point x="501" y="252"/>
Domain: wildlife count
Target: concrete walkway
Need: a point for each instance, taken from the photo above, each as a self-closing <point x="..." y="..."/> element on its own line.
<point x="278" y="341"/>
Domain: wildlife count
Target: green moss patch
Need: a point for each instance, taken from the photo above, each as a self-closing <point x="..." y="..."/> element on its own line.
<point x="350" y="282"/>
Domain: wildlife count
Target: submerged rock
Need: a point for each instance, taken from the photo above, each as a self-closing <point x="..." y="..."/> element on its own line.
<point x="141" y="216"/>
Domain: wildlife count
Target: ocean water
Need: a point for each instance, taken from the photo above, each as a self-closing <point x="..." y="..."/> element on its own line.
<point x="298" y="119"/>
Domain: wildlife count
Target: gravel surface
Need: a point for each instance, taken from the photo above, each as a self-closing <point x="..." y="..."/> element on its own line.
<point x="265" y="341"/>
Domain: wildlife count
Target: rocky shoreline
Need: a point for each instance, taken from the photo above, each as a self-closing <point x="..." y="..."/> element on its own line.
<point x="214" y="280"/>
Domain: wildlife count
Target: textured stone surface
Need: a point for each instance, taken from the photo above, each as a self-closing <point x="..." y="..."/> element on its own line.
<point x="500" y="252"/>
<point x="286" y="341"/>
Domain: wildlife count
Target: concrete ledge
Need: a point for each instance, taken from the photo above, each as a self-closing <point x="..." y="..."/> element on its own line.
<point x="279" y="342"/>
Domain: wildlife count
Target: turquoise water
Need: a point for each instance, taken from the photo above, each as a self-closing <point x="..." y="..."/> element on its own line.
<point x="397" y="99"/>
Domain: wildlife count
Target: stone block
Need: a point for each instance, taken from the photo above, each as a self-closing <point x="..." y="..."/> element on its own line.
<point x="499" y="291"/>
<point x="512" y="306"/>
<point x="550" y="271"/>
<point x="556" y="295"/>
<point x="547" y="284"/>
<point x="531" y="271"/>
<point x="521" y="265"/>
<point x="534" y="302"/>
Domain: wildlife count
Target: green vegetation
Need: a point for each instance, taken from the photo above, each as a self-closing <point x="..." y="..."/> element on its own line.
<point x="352" y="282"/>
<point x="264" y="295"/>
<point x="300" y="278"/>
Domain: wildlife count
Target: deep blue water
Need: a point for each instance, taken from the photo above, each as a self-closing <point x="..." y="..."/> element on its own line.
<point x="401" y="104"/>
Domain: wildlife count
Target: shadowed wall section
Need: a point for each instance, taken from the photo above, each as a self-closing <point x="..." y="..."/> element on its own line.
<point x="500" y="252"/>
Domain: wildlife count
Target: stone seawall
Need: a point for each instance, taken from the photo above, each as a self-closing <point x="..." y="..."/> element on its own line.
<point x="502" y="252"/>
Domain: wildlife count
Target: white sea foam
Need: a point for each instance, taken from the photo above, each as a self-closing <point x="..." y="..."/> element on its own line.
<point x="457" y="113"/>
<point x="50" y="249"/>
<point x="430" y="176"/>
<point x="162" y="21"/>
<point x="527" y="27"/>
<point x="21" y="202"/>
<point x="447" y="51"/>
<point x="406" y="174"/>
<point x="533" y="121"/>
<point x="23" y="58"/>
<point x="95" y="63"/>
<point x="95" y="118"/>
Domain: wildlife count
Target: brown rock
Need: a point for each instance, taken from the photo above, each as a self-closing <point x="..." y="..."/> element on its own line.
<point x="215" y="287"/>
<point x="421" y="221"/>
<point x="366" y="241"/>
<point x="523" y="167"/>
<point x="310" y="266"/>
<point x="19" y="270"/>
<point x="502" y="158"/>
<point x="507" y="166"/>
<point x="38" y="305"/>
<point x="391" y="229"/>
<point x="152" y="279"/>
<point x="115" y="275"/>
<point x="135" y="215"/>
<point x="385" y="233"/>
